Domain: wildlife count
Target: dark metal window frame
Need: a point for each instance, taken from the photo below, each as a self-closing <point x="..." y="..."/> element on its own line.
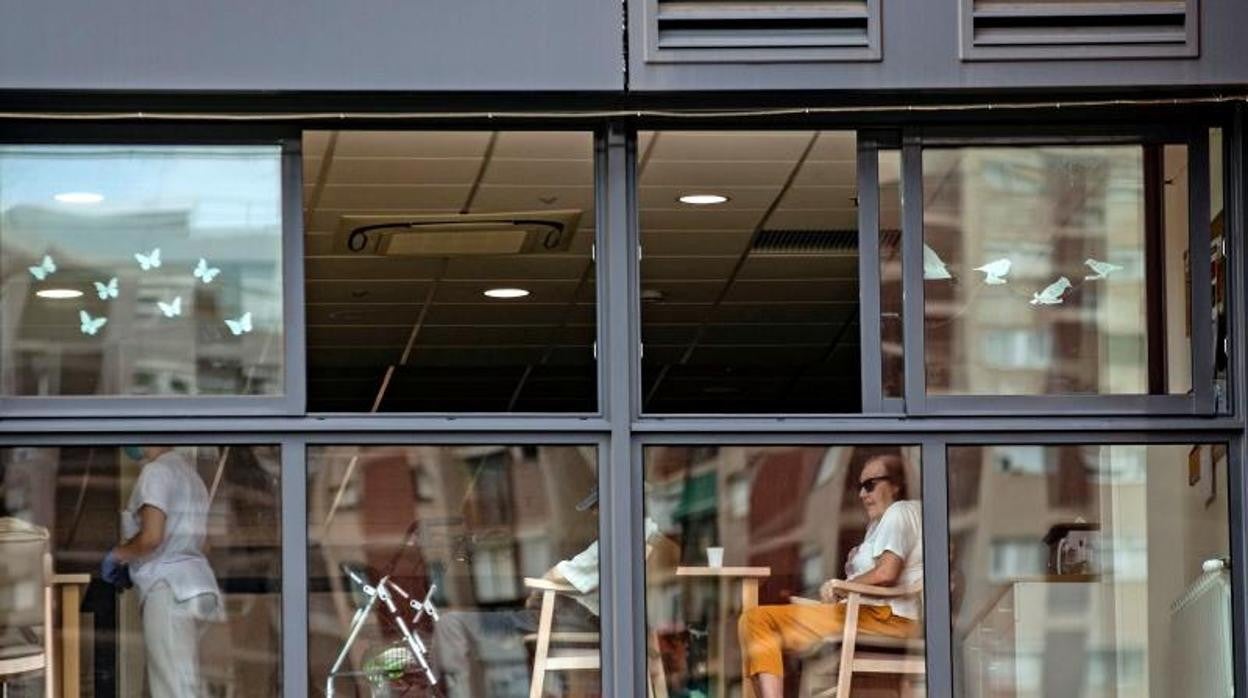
<point x="620" y="430"/>
<point x="292" y="398"/>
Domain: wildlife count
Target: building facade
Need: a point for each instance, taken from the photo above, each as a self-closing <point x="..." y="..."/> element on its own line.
<point x="525" y="348"/>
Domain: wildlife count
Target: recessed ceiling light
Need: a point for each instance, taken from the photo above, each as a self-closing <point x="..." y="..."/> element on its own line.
<point x="703" y="199"/>
<point x="59" y="293"/>
<point x="79" y="197"/>
<point x="506" y="293"/>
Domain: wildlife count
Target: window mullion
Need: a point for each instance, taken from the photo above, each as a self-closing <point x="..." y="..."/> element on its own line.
<point x="869" y="276"/>
<point x="1200" y="268"/>
<point x="912" y="274"/>
<point x="937" y="621"/>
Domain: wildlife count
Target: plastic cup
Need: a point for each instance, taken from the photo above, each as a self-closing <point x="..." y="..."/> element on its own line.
<point x="715" y="557"/>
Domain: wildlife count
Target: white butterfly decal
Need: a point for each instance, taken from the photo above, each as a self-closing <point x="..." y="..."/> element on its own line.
<point x="108" y="290"/>
<point x="205" y="272"/>
<point x="241" y="325"/>
<point x="150" y="260"/>
<point x="90" y="325"/>
<point x="47" y="266"/>
<point x="173" y="309"/>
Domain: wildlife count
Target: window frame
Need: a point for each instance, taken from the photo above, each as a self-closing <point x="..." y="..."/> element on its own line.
<point x="293" y="397"/>
<point x="1200" y="402"/>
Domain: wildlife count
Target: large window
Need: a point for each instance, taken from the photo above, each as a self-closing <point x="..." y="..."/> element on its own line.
<point x="1090" y="570"/>
<point x="476" y="544"/>
<point x="141" y="270"/>
<point x="186" y="601"/>
<point x="743" y="544"/>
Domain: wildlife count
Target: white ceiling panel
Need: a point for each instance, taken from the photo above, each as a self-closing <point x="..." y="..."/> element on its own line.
<point x="822" y="197"/>
<point x="394" y="196"/>
<point x="783" y="146"/>
<point x="698" y="176"/>
<point x="656" y="269"/>
<point x="824" y="173"/>
<point x="528" y="145"/>
<point x="738" y="197"/>
<point x="531" y="266"/>
<point x="835" y="145"/>
<point x="839" y="219"/>
<point x="549" y="173"/>
<point x="405" y="171"/>
<point x="491" y="197"/>
<point x="402" y="144"/>
<point x="700" y="242"/>
<point x="684" y="219"/>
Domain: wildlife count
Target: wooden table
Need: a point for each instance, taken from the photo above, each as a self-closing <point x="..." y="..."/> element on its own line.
<point x="749" y="577"/>
<point x="71" y="586"/>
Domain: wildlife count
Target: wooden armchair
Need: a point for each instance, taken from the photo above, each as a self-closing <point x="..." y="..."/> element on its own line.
<point x="864" y="653"/>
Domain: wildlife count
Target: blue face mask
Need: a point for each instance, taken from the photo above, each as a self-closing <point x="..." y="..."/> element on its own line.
<point x="133" y="452"/>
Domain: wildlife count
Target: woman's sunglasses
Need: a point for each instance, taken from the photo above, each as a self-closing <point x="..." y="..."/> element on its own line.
<point x="868" y="486"/>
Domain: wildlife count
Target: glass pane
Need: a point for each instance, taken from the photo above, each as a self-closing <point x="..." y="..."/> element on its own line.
<point x="749" y="298"/>
<point x="1082" y="570"/>
<point x="1056" y="270"/>
<point x="1218" y="238"/>
<point x="742" y="542"/>
<point x="468" y="533"/>
<point x="450" y="271"/>
<point x="140" y="270"/>
<point x="890" y="274"/>
<point x="192" y="605"/>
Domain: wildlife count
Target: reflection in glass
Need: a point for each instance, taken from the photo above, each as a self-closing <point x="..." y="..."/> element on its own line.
<point x="483" y="538"/>
<point x="140" y="270"/>
<point x="892" y="358"/>
<point x="188" y="601"/>
<point x="450" y="271"/>
<point x="1081" y="570"/>
<point x="789" y="519"/>
<point x="1218" y="252"/>
<point x="749" y="305"/>
<point x="1056" y="270"/>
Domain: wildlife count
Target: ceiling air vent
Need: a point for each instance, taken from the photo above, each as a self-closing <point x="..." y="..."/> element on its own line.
<point x="454" y="235"/>
<point x="744" y="31"/>
<point x="1078" y="29"/>
<point x="784" y="242"/>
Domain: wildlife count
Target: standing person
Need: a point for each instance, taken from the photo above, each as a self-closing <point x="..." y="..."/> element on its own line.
<point x="891" y="554"/>
<point x="164" y="526"/>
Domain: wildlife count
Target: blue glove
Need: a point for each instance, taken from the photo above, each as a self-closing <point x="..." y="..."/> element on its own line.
<point x="115" y="572"/>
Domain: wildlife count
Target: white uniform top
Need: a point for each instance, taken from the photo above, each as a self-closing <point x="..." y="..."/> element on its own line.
<point x="582" y="570"/>
<point x="170" y="484"/>
<point x="900" y="531"/>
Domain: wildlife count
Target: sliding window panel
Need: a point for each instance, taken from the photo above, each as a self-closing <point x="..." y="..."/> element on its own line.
<point x="476" y="545"/>
<point x="1090" y="569"/>
<point x="451" y="271"/>
<point x="748" y="549"/>
<point x="165" y="567"/>
<point x="144" y="272"/>
<point x="749" y="272"/>
<point x="1058" y="276"/>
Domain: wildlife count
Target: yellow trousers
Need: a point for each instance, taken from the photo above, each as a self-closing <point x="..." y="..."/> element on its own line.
<point x="767" y="632"/>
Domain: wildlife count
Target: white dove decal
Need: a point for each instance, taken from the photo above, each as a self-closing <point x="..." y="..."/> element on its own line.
<point x="995" y="271"/>
<point x="933" y="265"/>
<point x="1102" y="269"/>
<point x="1052" y="294"/>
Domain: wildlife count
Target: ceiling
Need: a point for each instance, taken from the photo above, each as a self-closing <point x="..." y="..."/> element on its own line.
<point x="729" y="329"/>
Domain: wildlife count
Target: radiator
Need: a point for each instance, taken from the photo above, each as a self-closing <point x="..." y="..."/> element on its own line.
<point x="1200" y="638"/>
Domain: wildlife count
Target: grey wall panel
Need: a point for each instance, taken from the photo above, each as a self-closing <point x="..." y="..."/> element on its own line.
<point x="443" y="45"/>
<point x="920" y="45"/>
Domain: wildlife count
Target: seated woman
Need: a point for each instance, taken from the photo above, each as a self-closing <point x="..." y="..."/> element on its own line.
<point x="891" y="554"/>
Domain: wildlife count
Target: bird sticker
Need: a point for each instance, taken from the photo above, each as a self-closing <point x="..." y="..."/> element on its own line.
<point x="173" y="309"/>
<point x="933" y="266"/>
<point x="1052" y="294"/>
<point x="241" y="325"/>
<point x="1102" y="269"/>
<point x="149" y="261"/>
<point x="108" y="290"/>
<point x="204" y="272"/>
<point x="995" y="271"/>
<point x="89" y="324"/>
<point x="45" y="267"/>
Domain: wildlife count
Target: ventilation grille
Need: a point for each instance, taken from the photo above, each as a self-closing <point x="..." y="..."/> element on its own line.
<point x="762" y="30"/>
<point x="1078" y="29"/>
<point x="783" y="242"/>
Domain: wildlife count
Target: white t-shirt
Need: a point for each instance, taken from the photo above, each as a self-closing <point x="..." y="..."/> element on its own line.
<point x="170" y="484"/>
<point x="582" y="570"/>
<point x="900" y="531"/>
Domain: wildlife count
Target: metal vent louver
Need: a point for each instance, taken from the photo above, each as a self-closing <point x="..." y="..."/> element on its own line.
<point x="783" y="242"/>
<point x="1073" y="29"/>
<point x="762" y="30"/>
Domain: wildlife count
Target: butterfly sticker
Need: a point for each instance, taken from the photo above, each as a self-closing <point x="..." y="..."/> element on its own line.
<point x="148" y="261"/>
<point x="173" y="309"/>
<point x="90" y="325"/>
<point x="108" y="290"/>
<point x="205" y="272"/>
<point x="45" y="267"/>
<point x="241" y="325"/>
